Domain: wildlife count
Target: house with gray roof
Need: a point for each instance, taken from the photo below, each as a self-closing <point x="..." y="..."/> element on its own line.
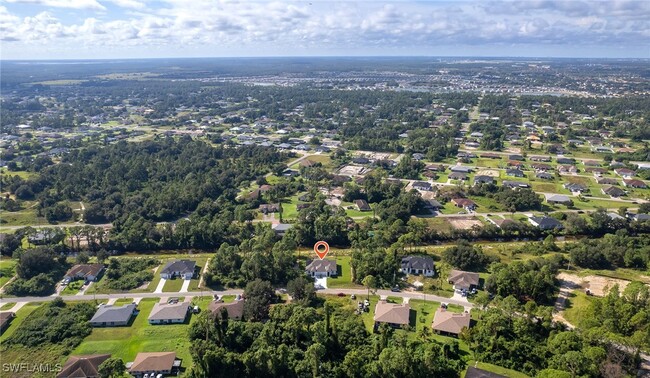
<point x="169" y="313"/>
<point x="113" y="316"/>
<point x="559" y="198"/>
<point x="418" y="265"/>
<point x="545" y="223"/>
<point x="321" y="268"/>
<point x="179" y="268"/>
<point x="483" y="180"/>
<point x="462" y="280"/>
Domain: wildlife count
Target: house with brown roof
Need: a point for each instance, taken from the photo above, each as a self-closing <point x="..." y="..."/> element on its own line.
<point x="82" y="366"/>
<point x="625" y="173"/>
<point x="465" y="203"/>
<point x="393" y="314"/>
<point x="606" y="181"/>
<point x="235" y="310"/>
<point x="269" y="208"/>
<point x="86" y="272"/>
<point x="613" y="191"/>
<point x="463" y="280"/>
<point x="362" y="205"/>
<point x="635" y="184"/>
<point x="450" y="323"/>
<point x="153" y="363"/>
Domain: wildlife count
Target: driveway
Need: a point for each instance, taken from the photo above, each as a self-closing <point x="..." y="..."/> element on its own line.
<point x="321" y="282"/>
<point x="160" y="286"/>
<point x="186" y="285"/>
<point x="84" y="288"/>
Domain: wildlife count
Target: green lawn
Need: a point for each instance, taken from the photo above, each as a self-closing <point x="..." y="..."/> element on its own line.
<point x="126" y="342"/>
<point x="73" y="287"/>
<point x="344" y="279"/>
<point x="173" y="286"/>
<point x="26" y="217"/>
<point x="577" y="308"/>
<point x="21" y="315"/>
<point x="7" y="270"/>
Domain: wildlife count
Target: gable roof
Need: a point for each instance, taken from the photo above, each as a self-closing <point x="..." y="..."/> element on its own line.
<point x="6" y="317"/>
<point x="464" y="202"/>
<point x="321" y="266"/>
<point x="84" y="270"/>
<point x="157" y="361"/>
<point x="546" y="222"/>
<point x="392" y="313"/>
<point x="450" y="322"/>
<point x="417" y="262"/>
<point x="181" y="266"/>
<point x="482" y="179"/>
<point x="112" y="313"/>
<point x="463" y="279"/>
<point x="362" y="204"/>
<point x="82" y="366"/>
<point x="169" y="311"/>
<point x="235" y="309"/>
<point x="558" y="198"/>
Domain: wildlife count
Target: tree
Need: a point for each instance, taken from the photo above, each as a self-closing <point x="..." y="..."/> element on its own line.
<point x="36" y="261"/>
<point x="9" y="244"/>
<point x="259" y="296"/>
<point x="301" y="290"/>
<point x="82" y="258"/>
<point x="465" y="257"/>
<point x="112" y="368"/>
<point x="369" y="282"/>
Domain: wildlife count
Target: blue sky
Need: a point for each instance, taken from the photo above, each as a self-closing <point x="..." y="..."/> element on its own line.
<point x="82" y="29"/>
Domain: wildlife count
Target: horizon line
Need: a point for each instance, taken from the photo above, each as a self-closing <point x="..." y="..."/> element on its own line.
<point x="328" y="56"/>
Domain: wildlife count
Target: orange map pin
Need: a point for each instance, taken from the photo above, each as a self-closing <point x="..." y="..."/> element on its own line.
<point x="322" y="249"/>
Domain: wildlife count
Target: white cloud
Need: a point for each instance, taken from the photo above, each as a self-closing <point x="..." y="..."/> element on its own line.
<point x="72" y="4"/>
<point x="133" y="4"/>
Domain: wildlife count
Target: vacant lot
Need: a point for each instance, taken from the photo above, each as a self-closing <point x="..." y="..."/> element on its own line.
<point x="465" y="223"/>
<point x="488" y="172"/>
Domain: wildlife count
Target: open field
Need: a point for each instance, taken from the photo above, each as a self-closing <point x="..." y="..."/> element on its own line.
<point x="21" y="315"/>
<point x="7" y="269"/>
<point x="465" y="223"/>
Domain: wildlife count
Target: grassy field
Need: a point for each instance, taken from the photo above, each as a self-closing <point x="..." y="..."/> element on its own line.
<point x="344" y="279"/>
<point x="126" y="342"/>
<point x="26" y="217"/>
<point x="21" y="315"/>
<point x="577" y="308"/>
<point x="7" y="270"/>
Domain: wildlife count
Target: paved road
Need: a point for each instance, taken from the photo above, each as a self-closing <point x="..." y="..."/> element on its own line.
<point x="358" y="292"/>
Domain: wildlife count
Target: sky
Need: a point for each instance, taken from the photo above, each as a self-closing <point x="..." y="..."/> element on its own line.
<point x="106" y="29"/>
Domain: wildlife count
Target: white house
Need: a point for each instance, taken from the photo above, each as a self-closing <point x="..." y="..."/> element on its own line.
<point x="418" y="265"/>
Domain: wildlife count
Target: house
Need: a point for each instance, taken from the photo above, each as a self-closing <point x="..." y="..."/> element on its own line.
<point x="282" y="228"/>
<point x="515" y="184"/>
<point x="178" y="268"/>
<point x="483" y="180"/>
<point x="640" y="217"/>
<point x="541" y="167"/>
<point x="516" y="157"/>
<point x="418" y="265"/>
<point x="290" y="173"/>
<point x="153" y="364"/>
<point x="5" y="320"/>
<point x="422" y="185"/>
<point x="458" y="176"/>
<point x="592" y="163"/>
<point x="544" y="175"/>
<point x="559" y="198"/>
<point x="395" y="315"/>
<point x="540" y="158"/>
<point x="418" y="156"/>
<point x="86" y="272"/>
<point x="597" y="172"/>
<point x="361" y="160"/>
<point x="362" y="205"/>
<point x="501" y="223"/>
<point x="460" y="168"/>
<point x="465" y="203"/>
<point x="450" y="323"/>
<point x="635" y="184"/>
<point x="575" y="188"/>
<point x="567" y="161"/>
<point x="435" y="167"/>
<point x="113" y="316"/>
<point x="625" y="173"/>
<point x="606" y="181"/>
<point x="169" y="313"/>
<point x="567" y="169"/>
<point x="489" y="155"/>
<point x="235" y="310"/>
<point x="514" y="172"/>
<point x="462" y="280"/>
<point x="515" y="163"/>
<point x="269" y="208"/>
<point x="545" y="223"/>
<point x="613" y="191"/>
<point x="82" y="366"/>
<point x="321" y="268"/>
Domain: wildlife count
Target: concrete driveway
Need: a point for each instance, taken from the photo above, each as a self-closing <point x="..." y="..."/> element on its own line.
<point x="160" y="286"/>
<point x="186" y="285"/>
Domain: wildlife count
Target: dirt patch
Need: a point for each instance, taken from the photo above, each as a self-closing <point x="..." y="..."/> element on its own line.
<point x="464" y="223"/>
<point x="597" y="285"/>
<point x="488" y="172"/>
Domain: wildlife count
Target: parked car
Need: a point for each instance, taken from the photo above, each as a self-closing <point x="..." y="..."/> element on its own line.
<point x="395" y="289"/>
<point x="353" y="296"/>
<point x="341" y="294"/>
